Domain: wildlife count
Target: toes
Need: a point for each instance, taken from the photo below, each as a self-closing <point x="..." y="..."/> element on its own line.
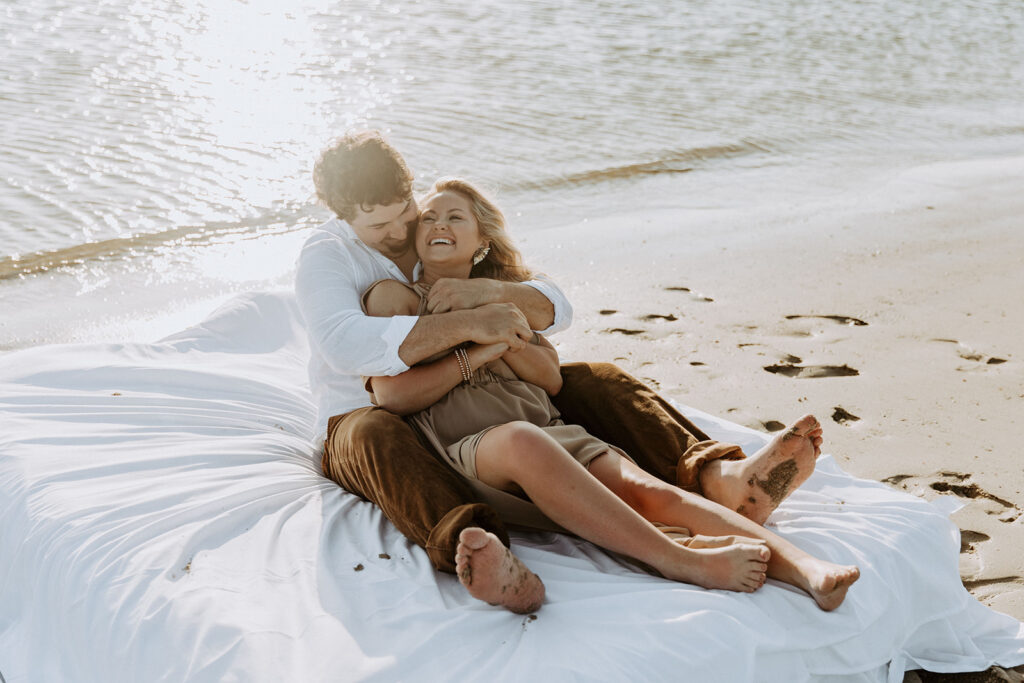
<point x="473" y="537"/>
<point x="806" y="424"/>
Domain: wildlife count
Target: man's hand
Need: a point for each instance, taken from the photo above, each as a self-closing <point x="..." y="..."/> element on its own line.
<point x="501" y="323"/>
<point x="454" y="294"/>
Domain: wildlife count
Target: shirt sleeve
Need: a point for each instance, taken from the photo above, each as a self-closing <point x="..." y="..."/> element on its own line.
<point x="350" y="342"/>
<point x="563" y="309"/>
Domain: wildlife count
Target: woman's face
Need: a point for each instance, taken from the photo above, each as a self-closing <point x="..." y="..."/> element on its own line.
<point x="448" y="232"/>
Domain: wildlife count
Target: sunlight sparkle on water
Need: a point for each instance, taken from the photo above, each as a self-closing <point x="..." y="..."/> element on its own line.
<point x="240" y="74"/>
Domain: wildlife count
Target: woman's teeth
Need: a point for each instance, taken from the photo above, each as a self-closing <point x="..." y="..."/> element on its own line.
<point x="440" y="240"/>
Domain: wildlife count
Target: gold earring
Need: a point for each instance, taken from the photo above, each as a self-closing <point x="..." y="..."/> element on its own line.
<point x="481" y="254"/>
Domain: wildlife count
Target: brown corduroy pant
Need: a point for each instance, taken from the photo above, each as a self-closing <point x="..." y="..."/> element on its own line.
<point x="378" y="456"/>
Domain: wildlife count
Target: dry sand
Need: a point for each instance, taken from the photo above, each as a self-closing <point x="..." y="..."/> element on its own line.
<point x="893" y="313"/>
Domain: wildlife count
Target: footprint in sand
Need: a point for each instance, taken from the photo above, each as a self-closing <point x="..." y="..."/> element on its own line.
<point x="623" y="330"/>
<point x="812" y="371"/>
<point x="694" y="295"/>
<point x="960" y="485"/>
<point x="841" y="319"/>
<point x="969" y="537"/>
<point x="967" y="353"/>
<point x="842" y="416"/>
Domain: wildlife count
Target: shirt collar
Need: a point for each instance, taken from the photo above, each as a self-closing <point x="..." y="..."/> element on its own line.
<point x="341" y="228"/>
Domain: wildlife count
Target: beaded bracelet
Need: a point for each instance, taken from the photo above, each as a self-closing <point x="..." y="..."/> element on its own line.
<point x="462" y="358"/>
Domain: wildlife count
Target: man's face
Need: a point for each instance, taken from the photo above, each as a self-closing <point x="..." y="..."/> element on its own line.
<point x="388" y="228"/>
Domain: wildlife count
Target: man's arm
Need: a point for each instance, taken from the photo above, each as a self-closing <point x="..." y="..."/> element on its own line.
<point x="545" y="306"/>
<point x="489" y="324"/>
<point x="328" y="285"/>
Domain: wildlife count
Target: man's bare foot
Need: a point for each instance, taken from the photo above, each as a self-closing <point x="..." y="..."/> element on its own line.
<point x="827" y="583"/>
<point x="490" y="572"/>
<point x="722" y="563"/>
<point x="755" y="486"/>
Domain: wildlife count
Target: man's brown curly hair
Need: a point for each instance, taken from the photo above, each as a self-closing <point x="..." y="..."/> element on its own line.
<point x="361" y="170"/>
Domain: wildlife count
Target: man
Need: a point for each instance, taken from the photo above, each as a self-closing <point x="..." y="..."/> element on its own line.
<point x="376" y="455"/>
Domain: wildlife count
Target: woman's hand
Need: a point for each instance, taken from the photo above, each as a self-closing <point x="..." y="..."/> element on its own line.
<point x="537" y="364"/>
<point x="482" y="354"/>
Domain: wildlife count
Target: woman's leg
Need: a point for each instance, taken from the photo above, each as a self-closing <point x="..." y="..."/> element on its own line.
<point x="657" y="501"/>
<point x="521" y="457"/>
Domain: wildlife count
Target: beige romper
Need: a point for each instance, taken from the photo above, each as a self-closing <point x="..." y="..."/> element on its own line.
<point x="493" y="397"/>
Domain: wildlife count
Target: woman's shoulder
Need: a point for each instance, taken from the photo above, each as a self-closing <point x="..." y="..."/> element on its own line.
<point x="386" y="298"/>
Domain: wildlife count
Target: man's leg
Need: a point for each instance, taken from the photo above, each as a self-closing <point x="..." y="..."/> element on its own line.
<point x="617" y="408"/>
<point x="376" y="455"/>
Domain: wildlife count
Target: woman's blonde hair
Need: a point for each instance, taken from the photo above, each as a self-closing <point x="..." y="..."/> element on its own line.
<point x="503" y="261"/>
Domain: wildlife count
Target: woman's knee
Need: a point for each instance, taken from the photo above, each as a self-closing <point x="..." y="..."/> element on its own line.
<point x="518" y="436"/>
<point x="520" y="445"/>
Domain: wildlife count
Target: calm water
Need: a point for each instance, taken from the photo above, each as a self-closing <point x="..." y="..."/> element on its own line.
<point x="153" y="144"/>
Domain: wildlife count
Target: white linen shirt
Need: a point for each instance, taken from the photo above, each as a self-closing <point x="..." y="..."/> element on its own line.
<point x="334" y="268"/>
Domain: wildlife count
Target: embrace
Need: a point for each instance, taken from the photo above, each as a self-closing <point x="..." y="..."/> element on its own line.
<point x="441" y="401"/>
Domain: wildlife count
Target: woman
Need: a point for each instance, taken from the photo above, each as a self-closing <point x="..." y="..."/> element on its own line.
<point x="488" y="413"/>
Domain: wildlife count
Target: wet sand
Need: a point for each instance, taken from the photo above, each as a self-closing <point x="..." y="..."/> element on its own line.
<point x="893" y="313"/>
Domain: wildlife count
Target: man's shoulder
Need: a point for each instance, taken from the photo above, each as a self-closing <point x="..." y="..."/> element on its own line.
<point x="329" y="231"/>
<point x="326" y="239"/>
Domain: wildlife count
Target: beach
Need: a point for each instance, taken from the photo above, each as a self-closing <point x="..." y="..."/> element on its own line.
<point x="892" y="312"/>
<point x="761" y="210"/>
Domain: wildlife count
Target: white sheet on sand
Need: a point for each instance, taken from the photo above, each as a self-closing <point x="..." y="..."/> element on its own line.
<point x="164" y="519"/>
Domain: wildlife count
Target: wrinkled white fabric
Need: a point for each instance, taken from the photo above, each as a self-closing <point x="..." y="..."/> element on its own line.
<point x="164" y="519"/>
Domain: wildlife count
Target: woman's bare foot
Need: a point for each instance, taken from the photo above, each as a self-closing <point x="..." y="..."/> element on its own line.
<point x="828" y="583"/>
<point x="700" y="541"/>
<point x="755" y="486"/>
<point x="722" y="563"/>
<point x="490" y="572"/>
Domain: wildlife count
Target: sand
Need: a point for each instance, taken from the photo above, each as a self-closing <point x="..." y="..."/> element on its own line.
<point x="893" y="312"/>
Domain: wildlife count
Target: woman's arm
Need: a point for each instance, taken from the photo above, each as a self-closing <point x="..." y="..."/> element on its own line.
<point x="424" y="385"/>
<point x="537" y="364"/>
<point x="421" y="386"/>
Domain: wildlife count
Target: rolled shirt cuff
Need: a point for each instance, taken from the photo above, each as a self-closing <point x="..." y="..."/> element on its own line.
<point x="563" y="310"/>
<point x="397" y="330"/>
